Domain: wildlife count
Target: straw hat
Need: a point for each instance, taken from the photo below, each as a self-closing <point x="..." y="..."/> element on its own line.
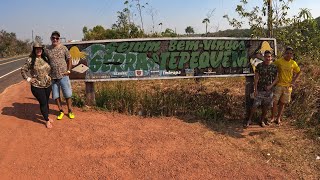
<point x="37" y="45"/>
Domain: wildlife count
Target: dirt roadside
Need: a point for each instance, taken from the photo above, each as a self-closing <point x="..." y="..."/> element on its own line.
<point x="100" y="145"/>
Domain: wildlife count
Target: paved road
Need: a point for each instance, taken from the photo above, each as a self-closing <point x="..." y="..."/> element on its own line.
<point x="10" y="71"/>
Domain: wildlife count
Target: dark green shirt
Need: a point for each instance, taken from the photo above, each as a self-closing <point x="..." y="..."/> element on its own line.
<point x="267" y="74"/>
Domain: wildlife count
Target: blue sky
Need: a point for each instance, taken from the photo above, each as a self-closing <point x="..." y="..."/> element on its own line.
<point x="70" y="16"/>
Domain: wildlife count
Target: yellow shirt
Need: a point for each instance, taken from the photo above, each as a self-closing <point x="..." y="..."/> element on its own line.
<point x="286" y="69"/>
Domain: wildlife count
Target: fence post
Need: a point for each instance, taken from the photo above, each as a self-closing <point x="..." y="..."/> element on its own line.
<point x="248" y="91"/>
<point x="90" y="94"/>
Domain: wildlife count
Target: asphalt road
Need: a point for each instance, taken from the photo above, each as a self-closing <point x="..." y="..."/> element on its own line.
<point x="10" y="71"/>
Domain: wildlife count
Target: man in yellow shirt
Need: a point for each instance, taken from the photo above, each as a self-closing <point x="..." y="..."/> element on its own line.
<point x="289" y="72"/>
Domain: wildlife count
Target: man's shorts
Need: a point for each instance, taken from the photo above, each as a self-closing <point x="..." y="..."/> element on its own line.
<point x="283" y="94"/>
<point x="63" y="84"/>
<point x="264" y="99"/>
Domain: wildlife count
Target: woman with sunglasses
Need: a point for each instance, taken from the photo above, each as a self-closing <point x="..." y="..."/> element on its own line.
<point x="39" y="69"/>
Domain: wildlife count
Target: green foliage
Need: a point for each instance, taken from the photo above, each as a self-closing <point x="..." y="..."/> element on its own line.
<point x="208" y="113"/>
<point x="301" y="32"/>
<point x="206" y="21"/>
<point x="189" y="30"/>
<point x="11" y="46"/>
<point x="78" y="100"/>
<point x="122" y="29"/>
<point x="117" y="97"/>
<point x="169" y="33"/>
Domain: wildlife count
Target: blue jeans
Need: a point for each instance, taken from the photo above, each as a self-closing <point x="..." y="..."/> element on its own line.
<point x="63" y="84"/>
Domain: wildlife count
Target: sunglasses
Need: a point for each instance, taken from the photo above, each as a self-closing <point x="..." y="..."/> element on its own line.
<point x="55" y="38"/>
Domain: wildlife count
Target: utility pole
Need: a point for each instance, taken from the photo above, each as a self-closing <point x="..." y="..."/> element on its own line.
<point x="270" y="30"/>
<point x="32" y="36"/>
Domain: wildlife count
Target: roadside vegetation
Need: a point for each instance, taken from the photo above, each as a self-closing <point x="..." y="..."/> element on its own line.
<point x="11" y="46"/>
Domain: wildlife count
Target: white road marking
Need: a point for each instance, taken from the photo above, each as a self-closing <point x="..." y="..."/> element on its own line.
<point x="12" y="61"/>
<point x="9" y="73"/>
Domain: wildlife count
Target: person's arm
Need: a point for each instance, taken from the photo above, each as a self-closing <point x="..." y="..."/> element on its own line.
<point x="295" y="77"/>
<point x="25" y="69"/>
<point x="296" y="73"/>
<point x="68" y="59"/>
<point x="69" y="65"/>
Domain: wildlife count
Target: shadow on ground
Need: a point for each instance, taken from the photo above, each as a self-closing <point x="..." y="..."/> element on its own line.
<point x="26" y="111"/>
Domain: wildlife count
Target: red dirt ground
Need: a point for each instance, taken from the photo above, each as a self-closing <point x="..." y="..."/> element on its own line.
<point x="99" y="145"/>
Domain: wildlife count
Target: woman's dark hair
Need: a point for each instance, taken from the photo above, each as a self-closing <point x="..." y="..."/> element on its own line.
<point x="33" y="56"/>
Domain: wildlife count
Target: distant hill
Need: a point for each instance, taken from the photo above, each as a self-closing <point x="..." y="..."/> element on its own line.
<point x="232" y="33"/>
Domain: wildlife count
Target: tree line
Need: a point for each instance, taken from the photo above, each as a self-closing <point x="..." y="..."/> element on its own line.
<point x="11" y="46"/>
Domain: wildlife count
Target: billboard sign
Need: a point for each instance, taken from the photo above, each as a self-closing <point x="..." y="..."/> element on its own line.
<point x="166" y="58"/>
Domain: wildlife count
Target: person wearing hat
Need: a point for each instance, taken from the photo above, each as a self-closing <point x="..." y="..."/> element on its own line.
<point x="39" y="69"/>
<point x="60" y="62"/>
<point x="289" y="71"/>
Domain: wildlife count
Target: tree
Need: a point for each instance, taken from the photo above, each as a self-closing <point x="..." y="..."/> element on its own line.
<point x="97" y="33"/>
<point x="206" y="21"/>
<point x="169" y="33"/>
<point x="121" y="29"/>
<point x="10" y="45"/>
<point x="160" y="24"/>
<point x="189" y="30"/>
<point x="301" y="31"/>
<point x="84" y="29"/>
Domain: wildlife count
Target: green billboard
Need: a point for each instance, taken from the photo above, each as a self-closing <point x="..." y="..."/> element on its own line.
<point x="163" y="58"/>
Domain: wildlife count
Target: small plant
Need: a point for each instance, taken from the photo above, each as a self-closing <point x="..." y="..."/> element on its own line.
<point x="77" y="100"/>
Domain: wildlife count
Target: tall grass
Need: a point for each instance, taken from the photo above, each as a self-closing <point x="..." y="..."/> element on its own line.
<point x="119" y="97"/>
<point x="171" y="98"/>
<point x="211" y="100"/>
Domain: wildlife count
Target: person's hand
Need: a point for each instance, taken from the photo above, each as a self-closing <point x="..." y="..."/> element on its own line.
<point x="66" y="73"/>
<point x="255" y="94"/>
<point x="33" y="80"/>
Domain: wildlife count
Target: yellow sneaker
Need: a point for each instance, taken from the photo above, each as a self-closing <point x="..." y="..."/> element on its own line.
<point x="60" y="116"/>
<point x="71" y="115"/>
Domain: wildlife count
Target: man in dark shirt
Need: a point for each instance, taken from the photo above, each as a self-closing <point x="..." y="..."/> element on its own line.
<point x="265" y="77"/>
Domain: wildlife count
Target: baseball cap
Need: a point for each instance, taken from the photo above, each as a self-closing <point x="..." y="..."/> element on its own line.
<point x="289" y="48"/>
<point x="55" y="33"/>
